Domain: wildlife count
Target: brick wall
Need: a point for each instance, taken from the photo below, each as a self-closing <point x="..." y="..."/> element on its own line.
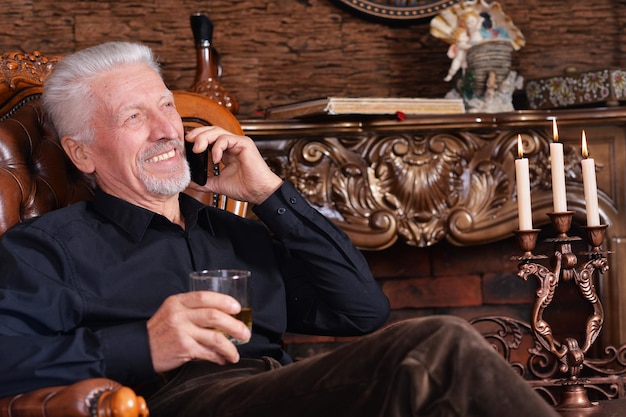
<point x="469" y="282"/>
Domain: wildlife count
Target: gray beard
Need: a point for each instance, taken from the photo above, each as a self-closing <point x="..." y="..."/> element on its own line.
<point x="166" y="186"/>
<point x="172" y="185"/>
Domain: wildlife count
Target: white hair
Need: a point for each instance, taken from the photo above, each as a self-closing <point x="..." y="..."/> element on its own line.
<point x="66" y="94"/>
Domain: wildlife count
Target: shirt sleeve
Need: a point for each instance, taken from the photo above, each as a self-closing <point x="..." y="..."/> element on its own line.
<point x="42" y="339"/>
<point x="330" y="288"/>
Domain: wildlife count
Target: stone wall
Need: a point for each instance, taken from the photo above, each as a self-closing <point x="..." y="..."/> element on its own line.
<point x="279" y="51"/>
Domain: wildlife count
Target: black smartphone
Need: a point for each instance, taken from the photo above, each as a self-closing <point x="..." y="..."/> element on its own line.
<point x="198" y="163"/>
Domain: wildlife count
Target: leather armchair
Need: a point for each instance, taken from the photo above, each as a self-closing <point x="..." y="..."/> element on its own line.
<point x="36" y="177"/>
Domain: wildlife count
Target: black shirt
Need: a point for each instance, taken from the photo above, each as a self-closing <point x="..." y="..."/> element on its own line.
<point x="78" y="285"/>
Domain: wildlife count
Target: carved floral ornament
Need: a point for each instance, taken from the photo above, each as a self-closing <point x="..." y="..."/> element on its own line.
<point x="28" y="68"/>
<point x="23" y="72"/>
<point x="422" y="188"/>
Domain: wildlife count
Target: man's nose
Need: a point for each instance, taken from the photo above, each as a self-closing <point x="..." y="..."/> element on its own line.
<point x="164" y="127"/>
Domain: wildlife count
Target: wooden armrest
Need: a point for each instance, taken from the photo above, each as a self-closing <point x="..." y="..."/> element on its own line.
<point x="96" y="397"/>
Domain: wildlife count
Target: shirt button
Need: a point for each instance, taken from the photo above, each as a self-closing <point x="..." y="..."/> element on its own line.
<point x="292" y="200"/>
<point x="281" y="210"/>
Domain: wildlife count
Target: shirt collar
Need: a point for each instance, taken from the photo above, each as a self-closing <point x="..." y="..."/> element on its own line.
<point x="136" y="220"/>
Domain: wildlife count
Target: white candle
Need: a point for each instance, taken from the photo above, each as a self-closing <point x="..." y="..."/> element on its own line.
<point x="559" y="199"/>
<point x="590" y="187"/>
<point x="523" y="189"/>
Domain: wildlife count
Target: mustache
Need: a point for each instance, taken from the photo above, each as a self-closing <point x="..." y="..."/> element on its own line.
<point x="161" y="146"/>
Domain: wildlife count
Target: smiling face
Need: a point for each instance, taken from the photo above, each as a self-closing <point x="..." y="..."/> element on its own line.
<point x="137" y="153"/>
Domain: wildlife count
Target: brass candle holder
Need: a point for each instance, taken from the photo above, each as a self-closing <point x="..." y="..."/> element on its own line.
<point x="564" y="267"/>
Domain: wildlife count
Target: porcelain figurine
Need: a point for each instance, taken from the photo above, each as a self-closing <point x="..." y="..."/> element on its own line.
<point x="482" y="39"/>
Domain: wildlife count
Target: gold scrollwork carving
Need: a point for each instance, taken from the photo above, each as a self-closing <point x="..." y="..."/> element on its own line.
<point x="23" y="72"/>
<point x="416" y="187"/>
<point x="29" y="68"/>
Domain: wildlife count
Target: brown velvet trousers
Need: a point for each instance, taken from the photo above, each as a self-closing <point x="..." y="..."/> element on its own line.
<point x="428" y="367"/>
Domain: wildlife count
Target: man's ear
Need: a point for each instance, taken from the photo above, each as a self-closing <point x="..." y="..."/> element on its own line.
<point x="79" y="153"/>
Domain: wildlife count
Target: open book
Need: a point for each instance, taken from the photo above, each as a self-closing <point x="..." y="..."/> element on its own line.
<point x="366" y="105"/>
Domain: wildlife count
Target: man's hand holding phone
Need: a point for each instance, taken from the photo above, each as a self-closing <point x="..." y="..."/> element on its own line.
<point x="245" y="176"/>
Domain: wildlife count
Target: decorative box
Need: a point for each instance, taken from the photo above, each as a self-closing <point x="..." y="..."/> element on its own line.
<point x="605" y="87"/>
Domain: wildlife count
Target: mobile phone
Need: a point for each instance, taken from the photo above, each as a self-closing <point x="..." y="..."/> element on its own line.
<point x="198" y="164"/>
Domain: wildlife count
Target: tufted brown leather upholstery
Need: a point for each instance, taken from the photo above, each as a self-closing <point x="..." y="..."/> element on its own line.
<point x="35" y="177"/>
<point x="35" y="174"/>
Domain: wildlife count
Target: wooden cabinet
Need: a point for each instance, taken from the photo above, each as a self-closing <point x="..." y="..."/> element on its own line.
<point x="425" y="179"/>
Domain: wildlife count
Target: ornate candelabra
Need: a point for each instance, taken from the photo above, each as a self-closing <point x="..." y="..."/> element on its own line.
<point x="564" y="267"/>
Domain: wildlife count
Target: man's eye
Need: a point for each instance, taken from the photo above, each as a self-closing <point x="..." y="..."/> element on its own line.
<point x="133" y="118"/>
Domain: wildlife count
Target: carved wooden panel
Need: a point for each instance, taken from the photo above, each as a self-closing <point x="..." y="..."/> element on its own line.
<point x="417" y="186"/>
<point x="22" y="77"/>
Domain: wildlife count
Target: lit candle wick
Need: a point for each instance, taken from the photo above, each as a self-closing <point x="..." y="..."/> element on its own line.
<point x="555" y="131"/>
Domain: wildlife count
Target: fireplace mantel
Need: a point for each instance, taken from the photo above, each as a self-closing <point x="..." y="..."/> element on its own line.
<point x="422" y="179"/>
